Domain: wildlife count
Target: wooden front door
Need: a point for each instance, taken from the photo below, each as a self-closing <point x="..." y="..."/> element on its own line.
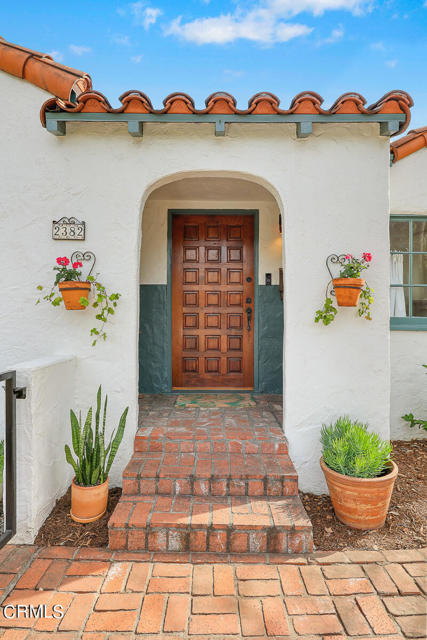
<point x="213" y="301"/>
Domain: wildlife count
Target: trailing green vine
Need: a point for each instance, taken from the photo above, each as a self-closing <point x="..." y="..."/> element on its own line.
<point x="106" y="304"/>
<point x="365" y="301"/>
<point x="327" y="313"/>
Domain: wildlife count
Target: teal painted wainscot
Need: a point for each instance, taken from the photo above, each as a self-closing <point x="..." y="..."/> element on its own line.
<point x="155" y="342"/>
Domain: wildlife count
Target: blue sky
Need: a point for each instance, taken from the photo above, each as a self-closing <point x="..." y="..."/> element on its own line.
<point x="201" y="46"/>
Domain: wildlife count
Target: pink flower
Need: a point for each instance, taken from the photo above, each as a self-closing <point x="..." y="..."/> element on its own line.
<point x="367" y="257"/>
<point x="63" y="262"/>
<point x="76" y="265"/>
<point x="348" y="256"/>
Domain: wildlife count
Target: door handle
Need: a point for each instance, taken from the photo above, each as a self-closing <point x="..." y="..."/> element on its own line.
<point x="249" y="316"/>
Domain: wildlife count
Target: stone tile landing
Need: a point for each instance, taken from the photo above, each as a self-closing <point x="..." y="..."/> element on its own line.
<point x="216" y="480"/>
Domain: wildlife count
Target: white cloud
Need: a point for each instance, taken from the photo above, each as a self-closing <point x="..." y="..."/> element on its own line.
<point x="123" y="41"/>
<point x="144" y="16"/>
<point x="56" y="55"/>
<point x="79" y="50"/>
<point x="234" y="74"/>
<point x="391" y="63"/>
<point x="255" y="26"/>
<point x="136" y="59"/>
<point x="317" y="7"/>
<point x="378" y="46"/>
<point x="336" y="35"/>
<point x="266" y="22"/>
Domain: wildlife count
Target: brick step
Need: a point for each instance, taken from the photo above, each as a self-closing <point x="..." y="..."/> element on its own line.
<point x="206" y="474"/>
<point x="211" y="439"/>
<point x="240" y="524"/>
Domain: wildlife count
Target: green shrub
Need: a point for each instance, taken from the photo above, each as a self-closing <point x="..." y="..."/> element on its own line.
<point x="94" y="459"/>
<point x="349" y="448"/>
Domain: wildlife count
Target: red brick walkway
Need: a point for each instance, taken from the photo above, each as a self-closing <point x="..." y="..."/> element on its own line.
<point x="152" y="596"/>
<point x="217" y="479"/>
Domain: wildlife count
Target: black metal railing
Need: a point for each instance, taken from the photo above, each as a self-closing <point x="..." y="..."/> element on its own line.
<point x="9" y="473"/>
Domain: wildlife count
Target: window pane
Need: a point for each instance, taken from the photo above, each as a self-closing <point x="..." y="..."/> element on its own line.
<point x="399" y="301"/>
<point x="399" y="269"/>
<point x="419" y="230"/>
<point x="419" y="269"/>
<point x="399" y="236"/>
<point x="419" y="301"/>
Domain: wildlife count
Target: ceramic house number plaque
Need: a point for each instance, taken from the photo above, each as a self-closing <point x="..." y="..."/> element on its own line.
<point x="68" y="229"/>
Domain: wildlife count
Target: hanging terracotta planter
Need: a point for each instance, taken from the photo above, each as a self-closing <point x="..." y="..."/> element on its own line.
<point x="347" y="291"/>
<point x="360" y="503"/>
<point x="88" y="503"/>
<point x="72" y="291"/>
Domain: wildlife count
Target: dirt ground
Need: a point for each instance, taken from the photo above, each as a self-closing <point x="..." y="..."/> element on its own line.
<point x="405" y="526"/>
<point x="58" y="528"/>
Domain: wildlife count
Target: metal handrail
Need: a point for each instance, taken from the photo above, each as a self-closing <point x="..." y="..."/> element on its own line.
<point x="12" y="393"/>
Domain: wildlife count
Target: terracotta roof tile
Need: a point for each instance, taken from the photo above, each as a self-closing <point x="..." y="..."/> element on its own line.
<point x="306" y="102"/>
<point x="41" y="70"/>
<point x="414" y="141"/>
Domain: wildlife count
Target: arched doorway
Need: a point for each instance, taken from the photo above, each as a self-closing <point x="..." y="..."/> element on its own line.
<point x="211" y="315"/>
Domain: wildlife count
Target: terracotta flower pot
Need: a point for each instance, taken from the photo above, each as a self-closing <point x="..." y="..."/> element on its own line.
<point x="72" y="292"/>
<point x="360" y="503"/>
<point x="88" y="503"/>
<point x="347" y="291"/>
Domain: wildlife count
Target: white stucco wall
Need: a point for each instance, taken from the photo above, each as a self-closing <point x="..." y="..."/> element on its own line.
<point x="332" y="189"/>
<point x="408" y="184"/>
<point x="42" y="430"/>
<point x="408" y="392"/>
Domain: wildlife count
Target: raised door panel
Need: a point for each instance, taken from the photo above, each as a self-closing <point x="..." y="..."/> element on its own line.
<point x="212" y="279"/>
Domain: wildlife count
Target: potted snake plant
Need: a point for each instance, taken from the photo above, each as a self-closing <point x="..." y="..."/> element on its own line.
<point x="89" y="489"/>
<point x="359" y="472"/>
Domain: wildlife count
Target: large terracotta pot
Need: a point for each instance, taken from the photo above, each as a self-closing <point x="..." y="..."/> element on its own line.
<point x="360" y="503"/>
<point x="72" y="291"/>
<point x="347" y="291"/>
<point x="88" y="503"/>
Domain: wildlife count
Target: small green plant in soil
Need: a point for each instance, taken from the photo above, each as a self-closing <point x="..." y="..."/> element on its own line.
<point x="94" y="459"/>
<point x="415" y="422"/>
<point x="350" y="449"/>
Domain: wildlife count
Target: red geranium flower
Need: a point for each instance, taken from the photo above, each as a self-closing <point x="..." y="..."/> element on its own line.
<point x="76" y="265"/>
<point x="367" y="257"/>
<point x="348" y="256"/>
<point x="63" y="261"/>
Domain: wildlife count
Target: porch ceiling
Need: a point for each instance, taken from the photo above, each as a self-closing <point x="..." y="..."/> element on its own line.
<point x="212" y="189"/>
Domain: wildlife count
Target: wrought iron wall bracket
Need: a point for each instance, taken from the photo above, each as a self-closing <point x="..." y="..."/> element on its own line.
<point x="334" y="258"/>
<point x="86" y="256"/>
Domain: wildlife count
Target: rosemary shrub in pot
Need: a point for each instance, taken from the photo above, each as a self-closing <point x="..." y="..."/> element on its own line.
<point x="359" y="472"/>
<point x="89" y="489"/>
